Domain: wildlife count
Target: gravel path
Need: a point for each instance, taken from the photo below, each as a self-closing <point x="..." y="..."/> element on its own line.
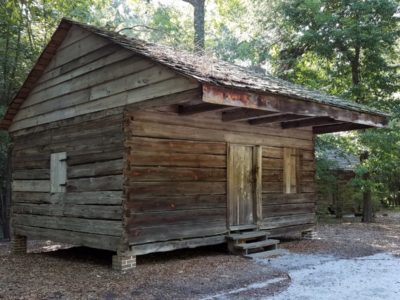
<point x="353" y="254"/>
<point x="330" y="278"/>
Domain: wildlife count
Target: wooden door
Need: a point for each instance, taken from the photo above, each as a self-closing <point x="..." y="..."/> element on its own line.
<point x="244" y="185"/>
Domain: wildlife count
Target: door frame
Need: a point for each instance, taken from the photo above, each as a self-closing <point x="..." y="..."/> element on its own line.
<point x="257" y="187"/>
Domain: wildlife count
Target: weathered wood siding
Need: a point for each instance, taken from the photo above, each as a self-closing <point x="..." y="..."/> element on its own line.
<point x="176" y="174"/>
<point x="77" y="107"/>
<point x="89" y="211"/>
<point x="90" y="74"/>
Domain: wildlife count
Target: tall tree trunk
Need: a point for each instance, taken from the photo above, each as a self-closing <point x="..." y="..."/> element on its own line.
<point x="355" y="72"/>
<point x="367" y="201"/>
<point x="198" y="21"/>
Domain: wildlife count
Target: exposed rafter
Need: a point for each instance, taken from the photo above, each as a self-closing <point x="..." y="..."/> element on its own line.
<point x="242" y="114"/>
<point x="275" y="118"/>
<point x="314" y="121"/>
<point x="338" y="127"/>
<point x="199" y="108"/>
<point x="280" y="104"/>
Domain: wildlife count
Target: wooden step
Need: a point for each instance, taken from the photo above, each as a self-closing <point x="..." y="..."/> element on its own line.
<point x="268" y="253"/>
<point x="247" y="235"/>
<point x="255" y="245"/>
<point x="242" y="227"/>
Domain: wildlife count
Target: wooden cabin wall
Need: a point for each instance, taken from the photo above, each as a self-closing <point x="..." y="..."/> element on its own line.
<point x="89" y="212"/>
<point x="176" y="175"/>
<point x="76" y="107"/>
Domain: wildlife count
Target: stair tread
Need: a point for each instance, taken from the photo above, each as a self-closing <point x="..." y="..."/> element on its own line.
<point x="247" y="235"/>
<point x="254" y="245"/>
<point x="242" y="227"/>
<point x="268" y="253"/>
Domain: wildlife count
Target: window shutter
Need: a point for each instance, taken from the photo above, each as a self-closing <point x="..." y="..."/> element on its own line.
<point x="291" y="170"/>
<point x="58" y="172"/>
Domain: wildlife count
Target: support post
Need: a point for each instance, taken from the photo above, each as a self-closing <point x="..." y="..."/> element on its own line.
<point x="19" y="244"/>
<point x="367" y="201"/>
<point x="123" y="261"/>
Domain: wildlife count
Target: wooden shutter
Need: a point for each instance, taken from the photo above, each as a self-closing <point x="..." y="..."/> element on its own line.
<point x="291" y="170"/>
<point x="58" y="172"/>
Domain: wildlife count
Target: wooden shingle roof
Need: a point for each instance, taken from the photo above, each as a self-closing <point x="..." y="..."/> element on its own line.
<point x="203" y="68"/>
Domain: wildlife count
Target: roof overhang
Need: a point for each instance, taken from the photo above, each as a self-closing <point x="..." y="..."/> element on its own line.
<point x="256" y="108"/>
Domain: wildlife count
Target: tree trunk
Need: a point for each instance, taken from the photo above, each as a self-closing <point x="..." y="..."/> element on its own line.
<point x="355" y="72"/>
<point x="367" y="200"/>
<point x="198" y="21"/>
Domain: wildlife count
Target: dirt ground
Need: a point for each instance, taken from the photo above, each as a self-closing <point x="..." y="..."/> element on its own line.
<point x="51" y="271"/>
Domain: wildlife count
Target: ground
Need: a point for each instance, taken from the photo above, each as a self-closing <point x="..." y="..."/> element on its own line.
<point x="349" y="260"/>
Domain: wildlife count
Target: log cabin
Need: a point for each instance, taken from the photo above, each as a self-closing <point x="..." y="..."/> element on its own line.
<point x="132" y="147"/>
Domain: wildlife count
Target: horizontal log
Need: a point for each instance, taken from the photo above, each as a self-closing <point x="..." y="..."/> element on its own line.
<point x="98" y="241"/>
<point x="269" y="175"/>
<point x="177" y="160"/>
<point x="177" y="244"/>
<point x="150" y="173"/>
<point x="114" y="153"/>
<point x="288" y="209"/>
<point x="166" y="203"/>
<point x="137" y="235"/>
<point x="291" y="220"/>
<point x="143" y="144"/>
<point x="272" y="187"/>
<point x="104" y="212"/>
<point x="31" y="185"/>
<point x="103" y="183"/>
<point x="166" y="218"/>
<point x="79" y="198"/>
<point x="176" y="188"/>
<point x="213" y="121"/>
<point x="151" y="129"/>
<point x="308" y="187"/>
<point x="31" y="174"/>
<point x="112" y="167"/>
<point x="100" y="135"/>
<point x="290" y="230"/>
<point x="272" y="152"/>
<point x="83" y="120"/>
<point x="270" y="199"/>
<point x="102" y="227"/>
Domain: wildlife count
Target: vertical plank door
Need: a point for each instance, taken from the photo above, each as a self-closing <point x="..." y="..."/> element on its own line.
<point x="242" y="206"/>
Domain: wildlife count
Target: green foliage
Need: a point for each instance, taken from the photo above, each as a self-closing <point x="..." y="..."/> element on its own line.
<point x="354" y="40"/>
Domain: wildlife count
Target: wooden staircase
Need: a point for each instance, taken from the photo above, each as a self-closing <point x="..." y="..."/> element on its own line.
<point x="247" y="243"/>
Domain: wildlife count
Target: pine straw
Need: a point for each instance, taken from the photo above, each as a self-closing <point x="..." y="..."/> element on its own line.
<point x="81" y="273"/>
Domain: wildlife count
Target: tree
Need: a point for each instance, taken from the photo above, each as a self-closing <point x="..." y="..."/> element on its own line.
<point x="353" y="40"/>
<point x="198" y="21"/>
